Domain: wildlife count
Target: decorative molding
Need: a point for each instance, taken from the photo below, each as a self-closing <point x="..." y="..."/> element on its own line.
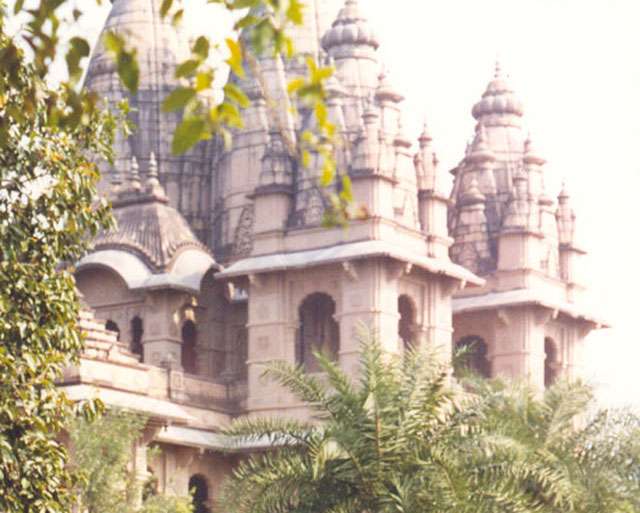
<point x="257" y="281"/>
<point x="396" y="270"/>
<point x="503" y="316"/>
<point x="350" y="268"/>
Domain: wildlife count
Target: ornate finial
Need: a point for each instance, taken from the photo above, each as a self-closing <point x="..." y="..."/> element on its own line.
<point x="564" y="195"/>
<point x="425" y="137"/>
<point x="153" y="168"/>
<point x="498" y="67"/>
<point x="401" y="138"/>
<point x="153" y="183"/>
<point x="134" y="177"/>
<point x="385" y="90"/>
<point x="116" y="177"/>
<point x="531" y="155"/>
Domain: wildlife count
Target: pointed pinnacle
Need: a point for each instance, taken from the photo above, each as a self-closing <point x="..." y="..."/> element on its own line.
<point x="498" y="68"/>
<point x="425" y="136"/>
<point x="116" y="177"/>
<point x="153" y="167"/>
<point x="134" y="177"/>
<point x="564" y="195"/>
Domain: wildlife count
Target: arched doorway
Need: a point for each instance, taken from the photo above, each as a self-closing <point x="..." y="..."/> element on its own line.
<point x="550" y="362"/>
<point x="318" y="330"/>
<point x="199" y="491"/>
<point x="405" y="323"/>
<point x="136" y="336"/>
<point x="112" y="326"/>
<point x="476" y="361"/>
<point x="188" y="350"/>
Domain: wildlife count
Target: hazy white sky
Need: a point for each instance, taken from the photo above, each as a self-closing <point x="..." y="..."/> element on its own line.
<point x="576" y="66"/>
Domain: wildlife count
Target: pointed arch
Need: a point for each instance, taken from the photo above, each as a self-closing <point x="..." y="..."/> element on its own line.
<point x="551" y="362"/>
<point x="112" y="326"/>
<point x="406" y="323"/>
<point x="136" y="337"/>
<point x="477" y="360"/>
<point x="199" y="490"/>
<point x="318" y="330"/>
<point x="188" y="348"/>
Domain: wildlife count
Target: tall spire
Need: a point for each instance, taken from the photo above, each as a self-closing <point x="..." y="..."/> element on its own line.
<point x="160" y="47"/>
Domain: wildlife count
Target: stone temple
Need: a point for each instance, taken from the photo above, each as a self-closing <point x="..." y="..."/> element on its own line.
<point x="220" y="263"/>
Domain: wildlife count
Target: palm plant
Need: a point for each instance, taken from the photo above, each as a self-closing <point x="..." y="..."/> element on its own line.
<point x="403" y="437"/>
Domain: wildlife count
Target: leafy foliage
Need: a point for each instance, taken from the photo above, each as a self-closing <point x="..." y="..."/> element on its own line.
<point x="403" y="437"/>
<point x="103" y="455"/>
<point x="47" y="209"/>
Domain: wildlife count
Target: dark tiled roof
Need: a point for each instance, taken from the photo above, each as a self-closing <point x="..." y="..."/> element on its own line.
<point x="148" y="227"/>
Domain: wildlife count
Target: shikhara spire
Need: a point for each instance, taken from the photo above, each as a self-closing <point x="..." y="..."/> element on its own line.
<point x="160" y="47"/>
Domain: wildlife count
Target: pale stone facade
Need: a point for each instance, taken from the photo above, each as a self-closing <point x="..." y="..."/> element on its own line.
<point x="220" y="263"/>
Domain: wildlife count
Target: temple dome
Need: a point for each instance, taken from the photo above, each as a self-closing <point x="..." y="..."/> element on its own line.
<point x="498" y="99"/>
<point x="148" y="227"/>
<point x="350" y="28"/>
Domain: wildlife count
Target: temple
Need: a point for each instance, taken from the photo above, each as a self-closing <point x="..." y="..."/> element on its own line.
<point x="220" y="262"/>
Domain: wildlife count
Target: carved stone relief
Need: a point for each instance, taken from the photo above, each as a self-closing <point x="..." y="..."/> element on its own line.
<point x="244" y="233"/>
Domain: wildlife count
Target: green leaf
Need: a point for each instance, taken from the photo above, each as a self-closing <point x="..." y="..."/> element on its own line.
<point x="178" y="99"/>
<point x="245" y="21"/>
<point x="201" y="47"/>
<point x="165" y="7"/>
<point x="187" y="68"/>
<point x="294" y="11"/>
<point x="177" y="17"/>
<point x="321" y="113"/>
<point x="204" y="80"/>
<point x="128" y="70"/>
<point x="328" y="172"/>
<point x="235" y="59"/>
<point x="126" y="64"/>
<point x="295" y="84"/>
<point x="233" y="92"/>
<point x="80" y="45"/>
<point x="187" y="135"/>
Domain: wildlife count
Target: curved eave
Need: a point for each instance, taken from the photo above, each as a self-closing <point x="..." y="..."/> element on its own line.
<point x="165" y="412"/>
<point x="345" y="253"/>
<point x="524" y="297"/>
<point x="185" y="274"/>
<point x="214" y="441"/>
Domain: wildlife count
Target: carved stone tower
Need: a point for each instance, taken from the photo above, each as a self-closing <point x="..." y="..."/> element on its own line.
<point x="310" y="286"/>
<point x="160" y="46"/>
<point x="507" y="229"/>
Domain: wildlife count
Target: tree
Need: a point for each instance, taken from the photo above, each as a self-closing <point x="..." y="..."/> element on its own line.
<point x="405" y="438"/>
<point x="103" y="455"/>
<point x="50" y="141"/>
<point x="47" y="208"/>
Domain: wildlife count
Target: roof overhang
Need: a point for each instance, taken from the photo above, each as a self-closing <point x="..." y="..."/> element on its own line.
<point x="344" y="253"/>
<point x="158" y="410"/>
<point x="523" y="297"/>
<point x="186" y="273"/>
<point x="214" y="441"/>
